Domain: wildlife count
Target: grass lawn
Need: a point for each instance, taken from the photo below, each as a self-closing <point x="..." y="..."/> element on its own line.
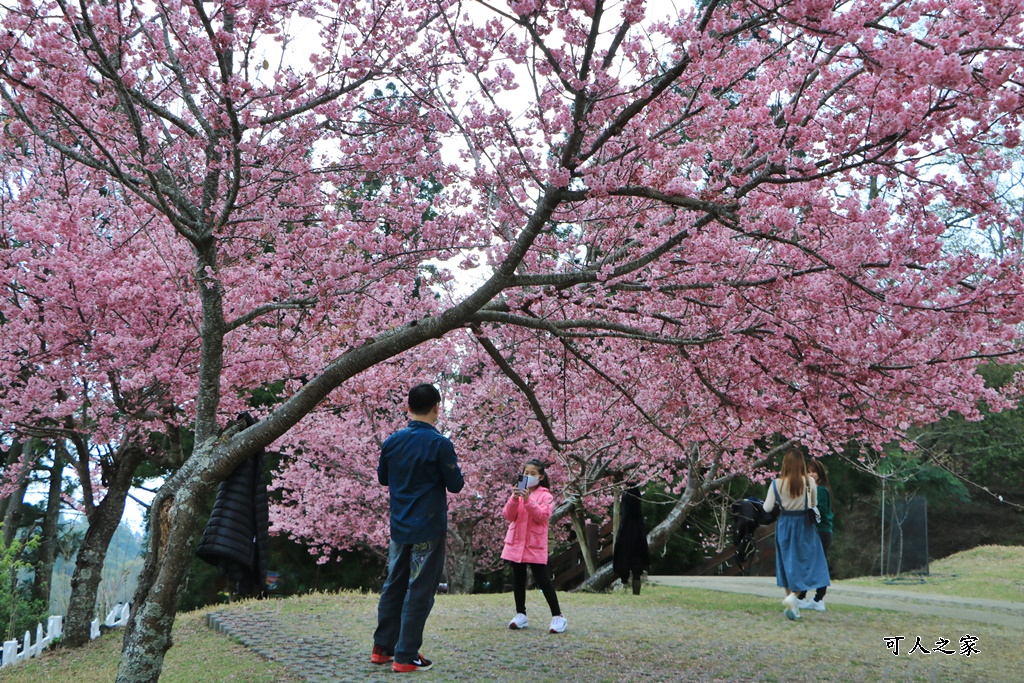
<point x="995" y="572"/>
<point x="198" y="655"/>
<point x="665" y="634"/>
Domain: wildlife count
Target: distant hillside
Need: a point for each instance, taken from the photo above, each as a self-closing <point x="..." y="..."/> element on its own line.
<point x="120" y="572"/>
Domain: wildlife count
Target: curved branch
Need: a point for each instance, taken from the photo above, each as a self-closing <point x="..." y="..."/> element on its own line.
<point x="560" y="328"/>
<point x="593" y="274"/>
<point x="522" y="385"/>
<point x="295" y="305"/>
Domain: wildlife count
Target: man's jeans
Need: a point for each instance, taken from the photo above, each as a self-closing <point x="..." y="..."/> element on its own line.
<point x="414" y="571"/>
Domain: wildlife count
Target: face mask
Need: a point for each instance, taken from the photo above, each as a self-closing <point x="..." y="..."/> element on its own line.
<point x="531" y="481"/>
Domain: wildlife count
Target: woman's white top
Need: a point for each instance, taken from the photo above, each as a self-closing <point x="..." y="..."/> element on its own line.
<point x="791" y="503"/>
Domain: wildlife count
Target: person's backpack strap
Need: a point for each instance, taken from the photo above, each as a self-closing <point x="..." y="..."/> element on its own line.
<point x="777" y="510"/>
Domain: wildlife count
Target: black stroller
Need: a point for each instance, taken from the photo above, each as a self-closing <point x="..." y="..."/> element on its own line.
<point x="750" y="514"/>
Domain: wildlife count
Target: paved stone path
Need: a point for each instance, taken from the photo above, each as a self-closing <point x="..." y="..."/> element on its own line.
<point x="314" y="658"/>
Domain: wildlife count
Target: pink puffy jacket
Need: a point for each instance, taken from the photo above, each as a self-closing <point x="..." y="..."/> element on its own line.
<point x="527" y="537"/>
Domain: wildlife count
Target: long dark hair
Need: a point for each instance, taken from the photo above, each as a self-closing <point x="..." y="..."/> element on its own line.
<point x="543" y="469"/>
<point x="819" y="469"/>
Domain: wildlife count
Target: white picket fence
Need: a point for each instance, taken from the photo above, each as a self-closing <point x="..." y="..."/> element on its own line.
<point x="118" y="616"/>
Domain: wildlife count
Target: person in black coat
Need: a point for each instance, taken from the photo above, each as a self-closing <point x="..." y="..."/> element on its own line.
<point x="631" y="554"/>
<point x="237" y="537"/>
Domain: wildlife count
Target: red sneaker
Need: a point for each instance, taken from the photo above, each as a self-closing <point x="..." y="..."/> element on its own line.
<point x="421" y="663"/>
<point x="378" y="656"/>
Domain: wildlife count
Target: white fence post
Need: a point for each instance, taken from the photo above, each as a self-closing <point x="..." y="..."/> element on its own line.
<point x="38" y="647"/>
<point x="55" y="626"/>
<point x="55" y="629"/>
<point x="10" y="653"/>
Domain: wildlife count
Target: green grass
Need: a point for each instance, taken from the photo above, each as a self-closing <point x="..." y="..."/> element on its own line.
<point x="994" y="572"/>
<point x="665" y="634"/>
<point x="198" y="655"/>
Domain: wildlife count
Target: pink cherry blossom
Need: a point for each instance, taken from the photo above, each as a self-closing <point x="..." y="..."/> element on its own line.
<point x="682" y="234"/>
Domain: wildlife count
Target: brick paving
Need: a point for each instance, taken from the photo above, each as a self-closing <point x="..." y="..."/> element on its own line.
<point x="315" y="658"/>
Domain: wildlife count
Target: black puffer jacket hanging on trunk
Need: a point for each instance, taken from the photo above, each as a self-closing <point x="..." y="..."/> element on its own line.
<point x="631" y="554"/>
<point x="237" y="537"/>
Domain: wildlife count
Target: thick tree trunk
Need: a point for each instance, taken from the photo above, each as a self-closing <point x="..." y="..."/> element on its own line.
<point x="48" y="546"/>
<point x="85" y="581"/>
<point x="462" y="574"/>
<point x="12" y="504"/>
<point x="103" y="524"/>
<point x="12" y="456"/>
<point x="11" y="519"/>
<point x="176" y="516"/>
<point x="461" y="561"/>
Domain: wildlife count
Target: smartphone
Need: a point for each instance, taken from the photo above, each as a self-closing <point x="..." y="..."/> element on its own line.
<point x="521" y="484"/>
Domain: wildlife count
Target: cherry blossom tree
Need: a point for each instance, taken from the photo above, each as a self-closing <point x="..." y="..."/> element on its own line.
<point x="740" y="193"/>
<point x="89" y="357"/>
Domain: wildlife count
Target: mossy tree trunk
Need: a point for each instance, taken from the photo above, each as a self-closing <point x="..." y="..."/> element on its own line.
<point x="103" y="522"/>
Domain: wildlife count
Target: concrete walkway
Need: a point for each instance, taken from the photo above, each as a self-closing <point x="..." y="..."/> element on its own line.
<point x="1000" y="612"/>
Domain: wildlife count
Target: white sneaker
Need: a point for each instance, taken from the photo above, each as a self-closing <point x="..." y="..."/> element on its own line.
<point x="805" y="603"/>
<point x="792" y="610"/>
<point x="518" y="622"/>
<point x="558" y="624"/>
<point x="816" y="605"/>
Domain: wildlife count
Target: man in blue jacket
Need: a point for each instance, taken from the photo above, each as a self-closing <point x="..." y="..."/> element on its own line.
<point x="418" y="465"/>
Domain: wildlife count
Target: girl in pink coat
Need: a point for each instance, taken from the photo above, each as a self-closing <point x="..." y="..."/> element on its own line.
<point x="526" y="543"/>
